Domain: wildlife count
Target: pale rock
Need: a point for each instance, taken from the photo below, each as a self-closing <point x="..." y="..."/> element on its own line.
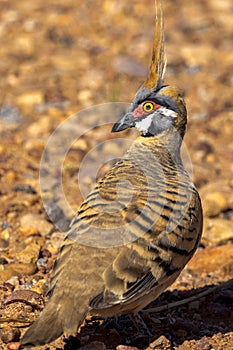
<point x="84" y="96"/>
<point x="40" y="127"/>
<point x="214" y="203"/>
<point x="29" y="255"/>
<point x="57" y="239"/>
<point x="125" y="347"/>
<point x="30" y="98"/>
<point x="161" y="343"/>
<point x="217" y="196"/>
<point x="16" y="269"/>
<point x="216" y="230"/>
<point x="24" y="45"/>
<point x="34" y="144"/>
<point x="36" y="221"/>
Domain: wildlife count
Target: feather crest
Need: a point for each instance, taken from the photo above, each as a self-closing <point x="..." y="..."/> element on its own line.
<point x="158" y="62"/>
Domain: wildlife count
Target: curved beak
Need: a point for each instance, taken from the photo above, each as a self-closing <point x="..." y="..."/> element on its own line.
<point x="127" y="121"/>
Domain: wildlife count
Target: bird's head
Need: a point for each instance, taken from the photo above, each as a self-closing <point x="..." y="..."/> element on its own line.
<point x="153" y="113"/>
<point x="156" y="108"/>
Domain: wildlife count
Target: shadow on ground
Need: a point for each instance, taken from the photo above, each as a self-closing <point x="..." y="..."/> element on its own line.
<point x="208" y="313"/>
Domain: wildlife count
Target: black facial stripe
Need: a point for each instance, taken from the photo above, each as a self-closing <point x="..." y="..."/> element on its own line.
<point x="165" y="101"/>
<point x="145" y="94"/>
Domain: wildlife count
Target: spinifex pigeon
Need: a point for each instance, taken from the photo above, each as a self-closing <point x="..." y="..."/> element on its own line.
<point x="127" y="244"/>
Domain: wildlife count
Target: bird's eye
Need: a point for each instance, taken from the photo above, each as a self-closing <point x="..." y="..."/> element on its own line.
<point x="148" y="106"/>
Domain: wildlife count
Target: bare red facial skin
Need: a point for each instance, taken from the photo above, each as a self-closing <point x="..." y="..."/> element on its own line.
<point x="139" y="111"/>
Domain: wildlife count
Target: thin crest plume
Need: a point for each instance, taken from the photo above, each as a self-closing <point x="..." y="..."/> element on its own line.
<point x="158" y="61"/>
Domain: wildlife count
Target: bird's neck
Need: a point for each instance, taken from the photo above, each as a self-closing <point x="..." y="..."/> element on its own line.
<point x="168" y="141"/>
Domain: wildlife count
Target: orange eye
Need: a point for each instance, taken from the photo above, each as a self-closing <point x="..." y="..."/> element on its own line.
<point x="148" y="107"/>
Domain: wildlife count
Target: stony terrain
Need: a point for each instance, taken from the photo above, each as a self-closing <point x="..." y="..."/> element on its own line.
<point x="61" y="57"/>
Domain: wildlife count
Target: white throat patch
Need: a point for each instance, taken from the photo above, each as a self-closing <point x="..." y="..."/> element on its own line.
<point x="144" y="124"/>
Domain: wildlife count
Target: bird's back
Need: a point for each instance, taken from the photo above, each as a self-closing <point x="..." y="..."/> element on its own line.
<point x="140" y="225"/>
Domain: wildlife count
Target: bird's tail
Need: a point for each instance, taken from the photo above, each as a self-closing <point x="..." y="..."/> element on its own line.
<point x="68" y="305"/>
<point x="54" y="320"/>
<point x="45" y="329"/>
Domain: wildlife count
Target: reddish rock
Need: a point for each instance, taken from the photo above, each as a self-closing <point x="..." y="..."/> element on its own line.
<point x="211" y="259"/>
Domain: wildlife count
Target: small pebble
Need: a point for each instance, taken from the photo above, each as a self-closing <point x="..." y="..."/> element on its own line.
<point x="13" y="346"/>
<point x="34" y="146"/>
<point x="203" y="344"/>
<point x="24" y="188"/>
<point x="14" y="281"/>
<point x="57" y="239"/>
<point x="16" y="269"/>
<point x="11" y="175"/>
<point x="5" y="234"/>
<point x="10" y="114"/>
<point x="3" y="261"/>
<point x="30" y="98"/>
<point x="84" y="95"/>
<point x="9" y="335"/>
<point x="45" y="253"/>
<point x="36" y="221"/>
<point x="5" y="225"/>
<point x="161" y="343"/>
<point x="28" y="255"/>
<point x="26" y="296"/>
<point x="42" y="261"/>
<point x="3" y="244"/>
<point x="24" y="269"/>
<point x="29" y="231"/>
<point x="40" y="127"/>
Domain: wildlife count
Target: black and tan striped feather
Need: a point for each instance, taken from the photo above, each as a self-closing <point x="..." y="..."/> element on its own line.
<point x="134" y="232"/>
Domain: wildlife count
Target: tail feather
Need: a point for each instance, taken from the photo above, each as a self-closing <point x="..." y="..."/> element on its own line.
<point x="70" y="294"/>
<point x="67" y="306"/>
<point x="52" y="323"/>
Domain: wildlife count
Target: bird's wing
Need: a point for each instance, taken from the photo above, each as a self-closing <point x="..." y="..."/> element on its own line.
<point x="116" y="212"/>
<point x="137" y="220"/>
<point x="110" y="216"/>
<point x="139" y="288"/>
<point x="151" y="263"/>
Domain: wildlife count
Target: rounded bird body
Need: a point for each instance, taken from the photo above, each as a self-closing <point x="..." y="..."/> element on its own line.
<point x="138" y="228"/>
<point x="160" y="227"/>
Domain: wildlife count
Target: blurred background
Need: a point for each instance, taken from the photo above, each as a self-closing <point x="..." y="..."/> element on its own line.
<point x="60" y="57"/>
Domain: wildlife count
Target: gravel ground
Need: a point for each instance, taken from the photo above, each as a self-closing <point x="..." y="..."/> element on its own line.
<point x="58" y="58"/>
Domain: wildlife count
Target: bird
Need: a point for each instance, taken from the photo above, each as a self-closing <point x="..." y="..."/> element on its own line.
<point x="139" y="226"/>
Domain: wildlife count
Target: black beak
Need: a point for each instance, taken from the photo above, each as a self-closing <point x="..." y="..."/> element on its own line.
<point x="127" y="121"/>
